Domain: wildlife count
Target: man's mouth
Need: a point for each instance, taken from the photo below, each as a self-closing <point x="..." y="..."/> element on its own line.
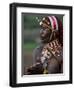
<point x="42" y="35"/>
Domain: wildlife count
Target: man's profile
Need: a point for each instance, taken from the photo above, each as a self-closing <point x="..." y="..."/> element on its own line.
<point x="48" y="56"/>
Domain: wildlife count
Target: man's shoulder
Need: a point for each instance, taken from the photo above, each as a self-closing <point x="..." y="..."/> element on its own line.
<point x="38" y="49"/>
<point x="37" y="52"/>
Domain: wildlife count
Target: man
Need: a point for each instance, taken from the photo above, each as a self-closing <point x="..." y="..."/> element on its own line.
<point x="48" y="56"/>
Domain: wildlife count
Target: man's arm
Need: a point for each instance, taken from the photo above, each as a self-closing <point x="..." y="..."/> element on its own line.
<point x="36" y="54"/>
<point x="37" y="67"/>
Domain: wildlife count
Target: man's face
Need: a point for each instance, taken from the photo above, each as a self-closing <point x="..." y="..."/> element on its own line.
<point x="45" y="33"/>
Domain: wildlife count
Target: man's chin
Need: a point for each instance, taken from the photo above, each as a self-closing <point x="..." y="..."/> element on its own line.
<point x="43" y="37"/>
<point x="44" y="40"/>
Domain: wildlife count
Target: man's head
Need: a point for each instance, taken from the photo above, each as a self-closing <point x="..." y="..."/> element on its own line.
<point x="50" y="28"/>
<point x="45" y="30"/>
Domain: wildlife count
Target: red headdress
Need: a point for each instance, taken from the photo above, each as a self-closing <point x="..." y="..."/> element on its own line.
<point x="55" y="24"/>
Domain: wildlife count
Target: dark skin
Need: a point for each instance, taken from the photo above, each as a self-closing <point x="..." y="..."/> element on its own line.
<point x="37" y="68"/>
<point x="45" y="34"/>
<point x="54" y="64"/>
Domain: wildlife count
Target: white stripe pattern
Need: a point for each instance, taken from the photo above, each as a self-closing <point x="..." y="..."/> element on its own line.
<point x="52" y="25"/>
<point x="55" y="22"/>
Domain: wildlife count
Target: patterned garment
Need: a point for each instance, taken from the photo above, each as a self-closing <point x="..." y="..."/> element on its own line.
<point x="51" y="56"/>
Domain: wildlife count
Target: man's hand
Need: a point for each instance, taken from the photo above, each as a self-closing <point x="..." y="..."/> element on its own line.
<point x="35" y="69"/>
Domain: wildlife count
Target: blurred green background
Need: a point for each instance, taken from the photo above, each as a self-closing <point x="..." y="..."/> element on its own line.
<point x="30" y="37"/>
